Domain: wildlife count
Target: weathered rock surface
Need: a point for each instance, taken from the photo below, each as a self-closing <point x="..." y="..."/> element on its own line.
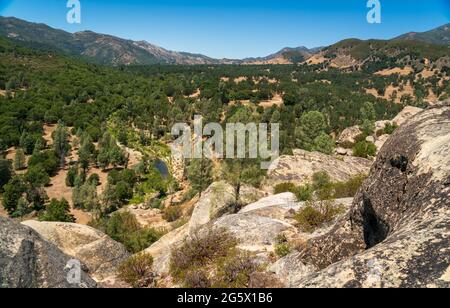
<point x="397" y="233"/>
<point x="28" y="261"/>
<point x="214" y="200"/>
<point x="405" y="115"/>
<point x="381" y="141"/>
<point x="96" y="250"/>
<point x="214" y="203"/>
<point x="349" y="135"/>
<point x="300" y="168"/>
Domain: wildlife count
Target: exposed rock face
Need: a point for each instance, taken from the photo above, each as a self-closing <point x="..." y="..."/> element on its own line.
<point x="397" y="233"/>
<point x="407" y="113"/>
<point x="93" y="248"/>
<point x="349" y="135"/>
<point x="381" y="141"/>
<point x="214" y="203"/>
<point x="257" y="226"/>
<point x="300" y="168"/>
<point x="28" y="261"/>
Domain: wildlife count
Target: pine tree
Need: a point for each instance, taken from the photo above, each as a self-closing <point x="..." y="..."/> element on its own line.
<point x="19" y="160"/>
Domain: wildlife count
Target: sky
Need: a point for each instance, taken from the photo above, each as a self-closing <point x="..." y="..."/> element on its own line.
<point x="236" y="28"/>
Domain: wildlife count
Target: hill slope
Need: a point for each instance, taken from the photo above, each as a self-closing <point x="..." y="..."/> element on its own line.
<point x="103" y="49"/>
<point x="438" y="36"/>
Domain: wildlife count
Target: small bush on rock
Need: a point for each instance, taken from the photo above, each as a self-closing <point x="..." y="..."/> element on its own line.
<point x="137" y="271"/>
<point x="314" y="216"/>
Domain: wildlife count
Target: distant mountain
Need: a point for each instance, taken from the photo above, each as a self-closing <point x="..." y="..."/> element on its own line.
<point x="101" y="48"/>
<point x="286" y="55"/>
<point x="438" y="36"/>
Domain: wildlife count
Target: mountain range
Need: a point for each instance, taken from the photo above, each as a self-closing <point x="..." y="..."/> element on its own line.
<point x="110" y="50"/>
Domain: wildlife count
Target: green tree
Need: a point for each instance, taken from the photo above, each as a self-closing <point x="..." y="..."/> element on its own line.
<point x="6" y="172"/>
<point x="368" y="127"/>
<point x="324" y="144"/>
<point x="71" y="176"/>
<point x="85" y="197"/>
<point x="27" y="143"/>
<point x="37" y="176"/>
<point x="19" y="160"/>
<point x="238" y="172"/>
<point x="368" y="112"/>
<point x="57" y="211"/>
<point x="12" y="192"/>
<point x="61" y="144"/>
<point x="200" y="174"/>
<point x="312" y="125"/>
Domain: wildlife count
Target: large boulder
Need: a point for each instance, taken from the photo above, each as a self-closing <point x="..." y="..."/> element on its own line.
<point x="300" y="168"/>
<point x="216" y="199"/>
<point x="28" y="261"/>
<point x="398" y="231"/>
<point x="93" y="248"/>
<point x="349" y="135"/>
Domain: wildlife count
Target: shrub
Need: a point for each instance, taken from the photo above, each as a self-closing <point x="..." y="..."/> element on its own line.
<point x="94" y="179"/>
<point x="304" y="193"/>
<point x="350" y="188"/>
<point x="199" y="251"/>
<point x="235" y="271"/>
<point x="321" y="180"/>
<point x="282" y="249"/>
<point x="123" y="227"/>
<point x="137" y="271"/>
<point x="197" y="279"/>
<point x="312" y="217"/>
<point x="46" y="159"/>
<point x="71" y="176"/>
<point x="172" y="213"/>
<point x="37" y="176"/>
<point x="142" y="239"/>
<point x="285" y="187"/>
<point x="364" y="149"/>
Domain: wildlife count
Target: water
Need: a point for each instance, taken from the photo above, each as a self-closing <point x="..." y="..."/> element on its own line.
<point x="162" y="168"/>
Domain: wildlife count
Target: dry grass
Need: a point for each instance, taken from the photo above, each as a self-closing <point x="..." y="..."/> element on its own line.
<point x="406" y="90"/>
<point x="316" y="59"/>
<point x="407" y="70"/>
<point x="277" y="100"/>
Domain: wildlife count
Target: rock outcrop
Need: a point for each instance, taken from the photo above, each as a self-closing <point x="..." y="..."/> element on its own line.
<point x="257" y="226"/>
<point x="349" y="135"/>
<point x="215" y="202"/>
<point x="97" y="251"/>
<point x="28" y="261"/>
<point x="397" y="233"/>
<point x="300" y="168"/>
<point x="405" y="115"/>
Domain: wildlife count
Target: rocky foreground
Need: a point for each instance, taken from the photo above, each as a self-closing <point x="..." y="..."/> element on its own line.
<point x="395" y="232"/>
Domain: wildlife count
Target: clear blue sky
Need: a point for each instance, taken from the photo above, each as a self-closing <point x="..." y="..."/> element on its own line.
<point x="236" y="28"/>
